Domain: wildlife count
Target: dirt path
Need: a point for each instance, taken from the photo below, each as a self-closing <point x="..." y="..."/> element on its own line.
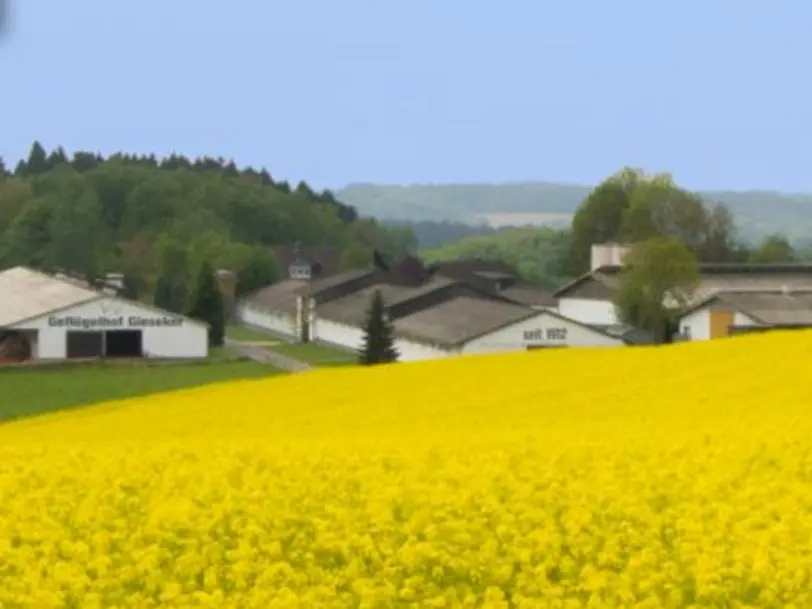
<point x="260" y="354"/>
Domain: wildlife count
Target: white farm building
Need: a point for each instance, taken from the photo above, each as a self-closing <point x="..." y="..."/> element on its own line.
<point x="731" y="298"/>
<point x="44" y="317"/>
<point x="452" y="308"/>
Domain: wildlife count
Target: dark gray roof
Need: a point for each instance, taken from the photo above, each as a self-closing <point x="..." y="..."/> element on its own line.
<point x="352" y="309"/>
<point x="629" y="334"/>
<point x="314" y="287"/>
<point x="280" y="297"/>
<point x="460" y="320"/>
<point x="769" y="308"/>
<point x="529" y="295"/>
<point x="495" y="274"/>
<point x="752" y="283"/>
<point x="714" y="278"/>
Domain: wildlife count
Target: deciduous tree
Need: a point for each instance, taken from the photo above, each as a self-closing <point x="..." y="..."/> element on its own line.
<point x="379" y="335"/>
<point x="775" y="248"/>
<point x="356" y="256"/>
<point x="660" y="275"/>
<point x="260" y="268"/>
<point x="171" y="287"/>
<point x="631" y="206"/>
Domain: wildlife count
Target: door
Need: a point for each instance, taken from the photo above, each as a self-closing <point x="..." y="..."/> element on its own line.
<point x="81" y="345"/>
<point x="123" y="343"/>
<point x="720" y="322"/>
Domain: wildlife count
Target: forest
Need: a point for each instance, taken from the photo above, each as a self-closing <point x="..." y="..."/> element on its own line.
<point x="148" y="218"/>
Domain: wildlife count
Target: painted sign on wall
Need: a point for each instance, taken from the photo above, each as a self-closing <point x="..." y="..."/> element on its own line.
<point x="551" y="334"/>
<point x="111" y="323"/>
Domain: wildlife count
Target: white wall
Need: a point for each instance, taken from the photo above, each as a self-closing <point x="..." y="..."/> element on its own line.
<point x="353" y="338"/>
<point x="697" y="324"/>
<point x="339" y="334"/>
<point x="189" y="339"/>
<point x="513" y="338"/>
<point x="588" y="311"/>
<point x="269" y="320"/>
<point x="410" y="351"/>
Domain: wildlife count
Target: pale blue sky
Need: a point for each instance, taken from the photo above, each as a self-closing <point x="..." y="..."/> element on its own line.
<point x="336" y="91"/>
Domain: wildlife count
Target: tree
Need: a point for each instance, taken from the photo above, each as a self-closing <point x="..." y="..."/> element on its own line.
<point x="171" y="289"/>
<point x="37" y="160"/>
<point x="658" y="207"/>
<point x="631" y="206"/>
<point x="207" y="305"/>
<point x="775" y="248"/>
<point x="660" y="274"/>
<point x="259" y="269"/>
<point x="537" y="254"/>
<point x="379" y="335"/>
<point x="130" y="288"/>
<point x="356" y="256"/>
<point x="600" y="217"/>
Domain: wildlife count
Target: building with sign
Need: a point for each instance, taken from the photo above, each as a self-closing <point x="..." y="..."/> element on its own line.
<point x="439" y="310"/>
<point x="462" y="325"/>
<point x="53" y="318"/>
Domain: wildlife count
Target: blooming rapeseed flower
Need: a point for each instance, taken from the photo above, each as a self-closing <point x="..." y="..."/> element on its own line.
<point x="647" y="477"/>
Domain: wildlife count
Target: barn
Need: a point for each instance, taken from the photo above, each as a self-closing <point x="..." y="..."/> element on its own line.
<point x="457" y="325"/>
<point x="43" y="317"/>
<point x="726" y="313"/>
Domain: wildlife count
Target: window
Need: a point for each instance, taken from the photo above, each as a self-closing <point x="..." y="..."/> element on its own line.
<point x="299" y="272"/>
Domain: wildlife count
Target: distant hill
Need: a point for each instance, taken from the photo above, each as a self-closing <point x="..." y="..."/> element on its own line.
<point x="550" y="204"/>
<point x="433" y="233"/>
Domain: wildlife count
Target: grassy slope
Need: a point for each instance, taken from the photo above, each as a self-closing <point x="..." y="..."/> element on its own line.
<point x="315" y="354"/>
<point x="757" y="213"/>
<point x="249" y="335"/>
<point x="35" y="390"/>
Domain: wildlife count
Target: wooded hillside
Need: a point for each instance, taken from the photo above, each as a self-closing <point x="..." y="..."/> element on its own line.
<point x="88" y="214"/>
<point x="757" y="213"/>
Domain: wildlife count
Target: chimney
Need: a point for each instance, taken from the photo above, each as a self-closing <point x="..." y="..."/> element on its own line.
<point x="608" y="254"/>
<point x="227" y="282"/>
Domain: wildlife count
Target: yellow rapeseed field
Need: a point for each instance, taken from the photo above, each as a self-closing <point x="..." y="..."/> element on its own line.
<point x="647" y="478"/>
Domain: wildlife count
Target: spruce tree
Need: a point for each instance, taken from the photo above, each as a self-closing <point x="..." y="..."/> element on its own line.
<point x="207" y="305"/>
<point x="379" y="335"/>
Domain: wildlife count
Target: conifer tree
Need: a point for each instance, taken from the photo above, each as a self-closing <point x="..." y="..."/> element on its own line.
<point x="379" y="335"/>
<point x="207" y="305"/>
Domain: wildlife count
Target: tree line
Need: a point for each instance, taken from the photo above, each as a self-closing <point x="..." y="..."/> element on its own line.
<point x="628" y="207"/>
<point x="158" y="221"/>
<point x="631" y="206"/>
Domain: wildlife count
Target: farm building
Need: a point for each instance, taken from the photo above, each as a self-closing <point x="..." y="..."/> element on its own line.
<point x="436" y="310"/>
<point x="727" y="313"/>
<point x="590" y="298"/>
<point x="54" y="318"/>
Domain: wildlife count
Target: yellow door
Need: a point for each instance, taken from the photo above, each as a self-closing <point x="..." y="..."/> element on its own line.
<point x="720" y="322"/>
